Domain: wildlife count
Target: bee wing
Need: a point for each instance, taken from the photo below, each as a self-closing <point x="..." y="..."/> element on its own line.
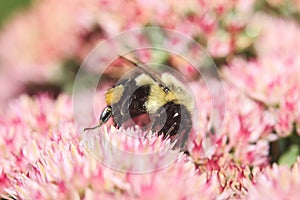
<point x="148" y="70"/>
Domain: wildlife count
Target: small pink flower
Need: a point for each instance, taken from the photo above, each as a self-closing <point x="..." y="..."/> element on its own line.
<point x="219" y="44"/>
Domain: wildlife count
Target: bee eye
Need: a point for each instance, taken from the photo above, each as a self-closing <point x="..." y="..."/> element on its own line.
<point x="106" y="114"/>
<point x="166" y="90"/>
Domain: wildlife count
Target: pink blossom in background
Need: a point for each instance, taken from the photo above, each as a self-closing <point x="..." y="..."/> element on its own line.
<point x="277" y="37"/>
<point x="248" y="128"/>
<point x="273" y="83"/>
<point x="34" y="46"/>
<point x="246" y="132"/>
<point x="276" y="182"/>
<point x="272" y="78"/>
<point x="39" y="42"/>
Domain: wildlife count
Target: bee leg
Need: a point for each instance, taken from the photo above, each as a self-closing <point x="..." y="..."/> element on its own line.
<point x="116" y="125"/>
<point x="181" y="137"/>
<point x="172" y="119"/>
<point x="159" y="117"/>
<point x="170" y="130"/>
<point x="119" y="112"/>
<point x="184" y="139"/>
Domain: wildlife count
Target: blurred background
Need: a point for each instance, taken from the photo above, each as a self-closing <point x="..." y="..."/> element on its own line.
<point x="254" y="44"/>
<point x="8" y="8"/>
<point x="42" y="43"/>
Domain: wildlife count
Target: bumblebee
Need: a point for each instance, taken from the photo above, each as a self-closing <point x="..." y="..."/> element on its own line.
<point x="164" y="98"/>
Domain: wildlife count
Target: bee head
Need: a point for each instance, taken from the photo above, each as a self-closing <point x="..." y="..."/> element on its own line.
<point x="104" y="117"/>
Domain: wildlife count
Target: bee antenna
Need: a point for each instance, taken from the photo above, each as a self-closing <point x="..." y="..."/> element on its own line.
<point x="92" y="128"/>
<point x="130" y="61"/>
<point x="144" y="68"/>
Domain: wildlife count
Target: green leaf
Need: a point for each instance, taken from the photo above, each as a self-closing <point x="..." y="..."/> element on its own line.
<point x="290" y="156"/>
<point x="9" y="7"/>
<point x="159" y="56"/>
